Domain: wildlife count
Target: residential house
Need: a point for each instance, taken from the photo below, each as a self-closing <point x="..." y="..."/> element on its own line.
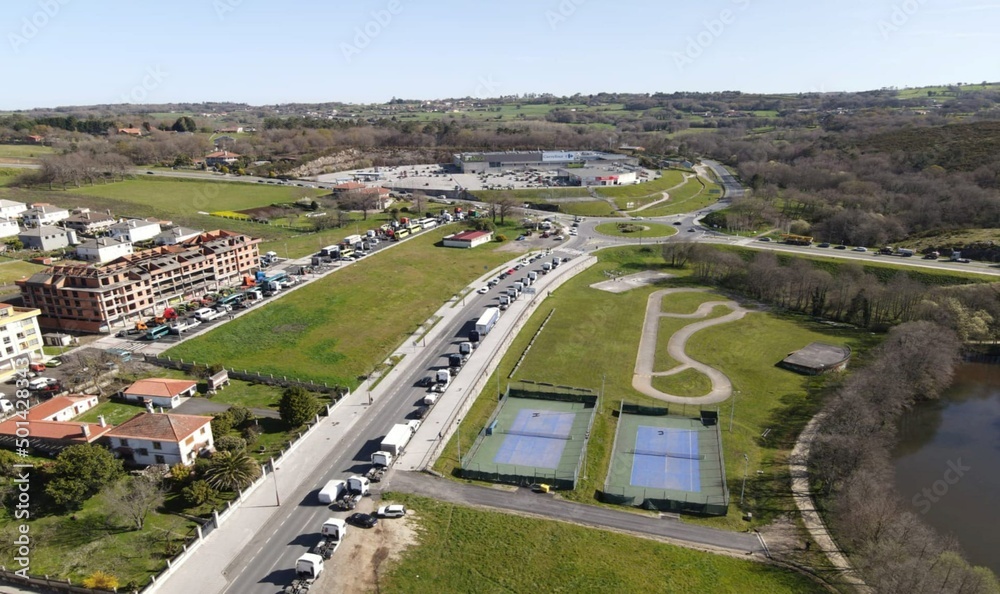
<point x="11" y="209"/>
<point x="161" y="392"/>
<point x="44" y="214"/>
<point x="230" y="130"/>
<point x="35" y="139"/>
<point x="151" y="438"/>
<point x="62" y="408"/>
<point x="220" y="158"/>
<point x="175" y="236"/>
<point x="9" y="228"/>
<point x="19" y="337"/>
<point x="103" y="249"/>
<point x="89" y="222"/>
<point x="223" y="141"/>
<point x="50" y="437"/>
<point x="46" y="238"/>
<point x="130" y="131"/>
<point x="135" y="230"/>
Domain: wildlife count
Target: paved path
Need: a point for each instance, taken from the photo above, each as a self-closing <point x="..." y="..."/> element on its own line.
<point x="525" y="502"/>
<point x="666" y="196"/>
<point x="642" y="379"/>
<point x="797" y="466"/>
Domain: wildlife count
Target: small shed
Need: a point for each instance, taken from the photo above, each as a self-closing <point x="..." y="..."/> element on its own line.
<point x="817" y="358"/>
<point x="57" y="339"/>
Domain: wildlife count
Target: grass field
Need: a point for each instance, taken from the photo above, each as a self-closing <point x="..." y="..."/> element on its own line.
<point x="463" y="549"/>
<point x="592" y="208"/>
<point x="24" y="151"/>
<point x="340" y="327"/>
<point x="669" y="326"/>
<point x="532" y="194"/>
<point x="668" y="179"/>
<point x="11" y="270"/>
<point x="689" y="382"/>
<point x="696" y="194"/>
<point x="648" y="229"/>
<point x="592" y="340"/>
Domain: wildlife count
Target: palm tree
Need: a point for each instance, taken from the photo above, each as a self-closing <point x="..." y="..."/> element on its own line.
<point x="232" y="470"/>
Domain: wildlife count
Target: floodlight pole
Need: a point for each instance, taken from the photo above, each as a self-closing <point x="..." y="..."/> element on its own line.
<point x="746" y="465"/>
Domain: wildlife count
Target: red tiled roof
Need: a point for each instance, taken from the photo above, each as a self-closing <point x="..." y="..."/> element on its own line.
<point x="68" y="430"/>
<point x="54" y="406"/>
<point x="469" y="235"/>
<point x="222" y="155"/>
<point x="350" y="186"/>
<point x="158" y="386"/>
<point x="160" y="427"/>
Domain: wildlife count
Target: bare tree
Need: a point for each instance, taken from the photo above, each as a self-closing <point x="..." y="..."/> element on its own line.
<point x="133" y="497"/>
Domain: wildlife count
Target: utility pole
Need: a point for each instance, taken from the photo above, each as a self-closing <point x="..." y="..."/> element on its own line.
<point x="600" y="398"/>
<point x="274" y="471"/>
<point x="746" y="464"/>
<point x="732" y="410"/>
<point x="458" y="435"/>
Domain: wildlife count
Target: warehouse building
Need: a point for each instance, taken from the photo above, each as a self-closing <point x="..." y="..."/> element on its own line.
<point x="520" y="160"/>
<point x="596" y="176"/>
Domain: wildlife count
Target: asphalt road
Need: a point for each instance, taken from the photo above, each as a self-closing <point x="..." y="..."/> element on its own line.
<point x="547" y="506"/>
<point x="268" y="560"/>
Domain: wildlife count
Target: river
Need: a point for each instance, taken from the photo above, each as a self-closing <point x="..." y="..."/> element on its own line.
<point x="947" y="462"/>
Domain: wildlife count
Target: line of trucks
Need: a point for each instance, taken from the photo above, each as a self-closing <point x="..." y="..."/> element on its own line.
<point x="353" y="247"/>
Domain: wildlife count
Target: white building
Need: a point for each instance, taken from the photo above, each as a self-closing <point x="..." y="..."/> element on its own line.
<point x="46" y="238"/>
<point x="10" y="209"/>
<point x="19" y="336"/>
<point x="63" y="408"/>
<point x="135" y="230"/>
<point x="8" y="227"/>
<point x="176" y="235"/>
<point x="468" y="239"/>
<point x="150" y="438"/>
<point x="44" y="214"/>
<point x="158" y="391"/>
<point x="596" y="176"/>
<point x="104" y="249"/>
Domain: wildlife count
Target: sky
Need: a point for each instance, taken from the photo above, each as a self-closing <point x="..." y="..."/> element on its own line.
<point x="82" y="52"/>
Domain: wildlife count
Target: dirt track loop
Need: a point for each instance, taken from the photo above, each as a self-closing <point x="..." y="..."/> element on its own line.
<point x="642" y="380"/>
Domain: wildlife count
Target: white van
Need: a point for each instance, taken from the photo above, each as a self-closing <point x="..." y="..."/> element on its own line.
<point x="39" y="383"/>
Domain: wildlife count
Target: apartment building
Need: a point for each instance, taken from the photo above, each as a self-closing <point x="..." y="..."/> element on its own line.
<point x="98" y="298"/>
<point x="19" y="337"/>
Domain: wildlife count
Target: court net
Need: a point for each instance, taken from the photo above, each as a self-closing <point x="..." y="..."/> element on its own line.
<point x="681" y="455"/>
<point x="534" y="434"/>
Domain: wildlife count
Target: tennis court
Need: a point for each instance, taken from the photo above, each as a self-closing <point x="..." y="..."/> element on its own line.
<point x="534" y="436"/>
<point x="667" y="462"/>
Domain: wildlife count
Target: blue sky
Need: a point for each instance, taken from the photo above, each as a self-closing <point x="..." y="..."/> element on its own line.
<point x="74" y="52"/>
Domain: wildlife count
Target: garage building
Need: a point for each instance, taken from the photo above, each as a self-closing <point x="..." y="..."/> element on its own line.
<point x="468" y="239"/>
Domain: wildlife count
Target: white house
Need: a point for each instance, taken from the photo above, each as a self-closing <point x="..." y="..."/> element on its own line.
<point x="62" y="408"/>
<point x="176" y="235"/>
<point x="46" y="238"/>
<point x="135" y="230"/>
<point x="44" y="214"/>
<point x="103" y="249"/>
<point x="150" y="438"/>
<point x="10" y="209"/>
<point x="160" y="391"/>
<point x="8" y="228"/>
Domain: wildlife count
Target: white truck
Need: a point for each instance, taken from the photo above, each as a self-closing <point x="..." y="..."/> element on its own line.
<point x="359" y="485"/>
<point x="443" y="380"/>
<point x="465" y="348"/>
<point x="546" y="267"/>
<point x="430" y="399"/>
<point x="307" y="569"/>
<point x="532" y="276"/>
<point x="206" y="314"/>
<point x="396" y="439"/>
<point x="332" y="491"/>
<point x="382" y="459"/>
<point x="333" y="531"/>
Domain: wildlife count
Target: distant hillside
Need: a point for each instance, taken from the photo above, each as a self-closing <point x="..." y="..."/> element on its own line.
<point x="962" y="147"/>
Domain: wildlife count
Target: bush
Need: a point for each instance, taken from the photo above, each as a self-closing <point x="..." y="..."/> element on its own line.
<point x="501" y="238"/>
<point x="230" y="443"/>
<point x="240" y="415"/>
<point x="99" y="579"/>
<point x="297" y="407"/>
<point x="222" y="423"/>
<point x="181" y="472"/>
<point x="251" y="433"/>
<point x="198" y="493"/>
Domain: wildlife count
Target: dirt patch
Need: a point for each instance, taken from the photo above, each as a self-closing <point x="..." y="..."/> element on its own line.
<point x="620" y="284"/>
<point x="367" y="553"/>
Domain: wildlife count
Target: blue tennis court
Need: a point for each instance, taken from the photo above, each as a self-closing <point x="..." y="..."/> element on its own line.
<point x="535" y="438"/>
<point x="666" y="458"/>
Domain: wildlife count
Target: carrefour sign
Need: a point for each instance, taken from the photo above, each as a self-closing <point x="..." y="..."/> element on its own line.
<point x="560" y="156"/>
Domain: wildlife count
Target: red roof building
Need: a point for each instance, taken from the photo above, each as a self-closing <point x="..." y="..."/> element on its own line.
<point x="150" y="438"/>
<point x="468" y="239"/>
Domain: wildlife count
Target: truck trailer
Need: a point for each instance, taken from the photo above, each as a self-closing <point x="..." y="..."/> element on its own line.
<point x="487" y="320"/>
<point x="395" y="441"/>
<point x="332" y="491"/>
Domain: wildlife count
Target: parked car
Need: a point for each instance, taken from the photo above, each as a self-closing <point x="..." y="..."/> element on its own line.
<point x="420" y="412"/>
<point x="764" y="239"/>
<point x="824" y="245"/>
<point x="840" y="247"/>
<point x="362" y="520"/>
<point x="426" y="381"/>
<point x="483" y="290"/>
<point x="860" y="249"/>
<point x="54" y="362"/>
<point x="391" y="511"/>
<point x="37" y="367"/>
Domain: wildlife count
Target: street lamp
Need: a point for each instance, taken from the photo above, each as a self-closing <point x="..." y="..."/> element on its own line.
<point x="746" y="465"/>
<point x="732" y="409"/>
<point x="274" y="471"/>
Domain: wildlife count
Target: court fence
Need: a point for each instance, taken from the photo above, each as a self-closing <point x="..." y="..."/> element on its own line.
<point x="522" y="476"/>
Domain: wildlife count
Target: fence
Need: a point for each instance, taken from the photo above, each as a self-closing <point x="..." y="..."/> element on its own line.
<point x="244" y="375"/>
